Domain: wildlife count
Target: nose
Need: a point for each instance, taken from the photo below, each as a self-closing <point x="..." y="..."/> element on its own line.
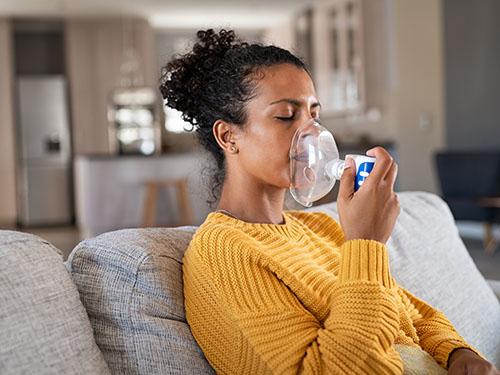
<point x="307" y="127"/>
<point x="304" y="123"/>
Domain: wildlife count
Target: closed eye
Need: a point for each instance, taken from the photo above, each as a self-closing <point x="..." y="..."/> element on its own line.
<point x="285" y="118"/>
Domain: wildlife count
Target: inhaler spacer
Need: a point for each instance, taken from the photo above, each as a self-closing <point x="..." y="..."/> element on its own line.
<point x="315" y="164"/>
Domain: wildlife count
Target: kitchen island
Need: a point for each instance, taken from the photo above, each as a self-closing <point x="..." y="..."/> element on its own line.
<point x="110" y="190"/>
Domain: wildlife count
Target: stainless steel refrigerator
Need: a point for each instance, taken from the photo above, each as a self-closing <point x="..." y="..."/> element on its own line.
<point x="44" y="171"/>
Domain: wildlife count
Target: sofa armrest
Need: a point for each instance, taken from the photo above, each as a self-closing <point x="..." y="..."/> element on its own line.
<point x="44" y="327"/>
<point x="495" y="286"/>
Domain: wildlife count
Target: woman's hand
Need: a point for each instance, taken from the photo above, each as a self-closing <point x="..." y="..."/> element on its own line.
<point x="466" y="362"/>
<point x="370" y="212"/>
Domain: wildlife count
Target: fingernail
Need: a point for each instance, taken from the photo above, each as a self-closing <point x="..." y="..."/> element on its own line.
<point x="349" y="163"/>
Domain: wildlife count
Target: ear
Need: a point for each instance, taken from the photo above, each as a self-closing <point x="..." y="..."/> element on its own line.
<point x="225" y="136"/>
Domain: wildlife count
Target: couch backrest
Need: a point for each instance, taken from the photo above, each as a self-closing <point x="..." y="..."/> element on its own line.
<point x="130" y="281"/>
<point x="44" y="328"/>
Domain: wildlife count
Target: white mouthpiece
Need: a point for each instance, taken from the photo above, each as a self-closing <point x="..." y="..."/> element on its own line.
<point x="335" y="168"/>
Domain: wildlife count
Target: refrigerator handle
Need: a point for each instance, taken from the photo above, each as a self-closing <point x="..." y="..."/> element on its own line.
<point x="52" y="143"/>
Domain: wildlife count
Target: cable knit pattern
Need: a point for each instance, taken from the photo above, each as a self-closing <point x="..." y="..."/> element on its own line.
<point x="297" y="298"/>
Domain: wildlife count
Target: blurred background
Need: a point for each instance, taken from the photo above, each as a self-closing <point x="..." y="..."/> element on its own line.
<point x="87" y="145"/>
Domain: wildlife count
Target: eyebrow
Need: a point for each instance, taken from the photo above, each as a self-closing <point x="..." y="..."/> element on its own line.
<point x="295" y="102"/>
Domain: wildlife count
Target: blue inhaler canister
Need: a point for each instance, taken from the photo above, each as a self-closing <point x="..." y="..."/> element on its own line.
<point x="364" y="165"/>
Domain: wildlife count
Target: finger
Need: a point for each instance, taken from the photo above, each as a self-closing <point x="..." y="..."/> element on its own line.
<point x="390" y="177"/>
<point x="346" y="188"/>
<point x="382" y="165"/>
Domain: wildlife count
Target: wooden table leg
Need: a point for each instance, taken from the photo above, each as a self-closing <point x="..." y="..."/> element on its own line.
<point x="489" y="242"/>
<point x="184" y="206"/>
<point x="151" y="196"/>
<point x="149" y="213"/>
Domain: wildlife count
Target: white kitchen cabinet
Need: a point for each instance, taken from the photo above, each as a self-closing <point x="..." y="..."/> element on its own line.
<point x="337" y="60"/>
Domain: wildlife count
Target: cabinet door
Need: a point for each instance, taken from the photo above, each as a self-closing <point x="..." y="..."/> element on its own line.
<point x="338" y="56"/>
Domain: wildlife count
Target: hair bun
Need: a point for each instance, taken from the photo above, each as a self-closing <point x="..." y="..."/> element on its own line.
<point x="184" y="78"/>
<point x="210" y="43"/>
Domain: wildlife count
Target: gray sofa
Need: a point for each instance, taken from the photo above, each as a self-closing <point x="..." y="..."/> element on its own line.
<point x="116" y="305"/>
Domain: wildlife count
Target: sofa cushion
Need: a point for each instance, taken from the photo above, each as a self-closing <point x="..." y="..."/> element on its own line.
<point x="44" y="328"/>
<point x="130" y="282"/>
<point x="428" y="258"/>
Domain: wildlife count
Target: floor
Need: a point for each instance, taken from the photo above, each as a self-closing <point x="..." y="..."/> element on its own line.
<point x="67" y="238"/>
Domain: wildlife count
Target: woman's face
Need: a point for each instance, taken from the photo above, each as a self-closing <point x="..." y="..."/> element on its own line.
<point x="285" y="99"/>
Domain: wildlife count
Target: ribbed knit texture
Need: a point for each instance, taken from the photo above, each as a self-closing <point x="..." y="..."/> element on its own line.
<point x="297" y="298"/>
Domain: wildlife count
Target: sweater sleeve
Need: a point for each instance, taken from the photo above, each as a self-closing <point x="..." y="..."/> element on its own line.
<point x="436" y="333"/>
<point x="245" y="317"/>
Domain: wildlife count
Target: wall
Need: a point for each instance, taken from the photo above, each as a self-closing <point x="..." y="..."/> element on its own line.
<point x="7" y="136"/>
<point x="471" y="31"/>
<point x="418" y="95"/>
<point x="281" y="35"/>
<point x="94" y="57"/>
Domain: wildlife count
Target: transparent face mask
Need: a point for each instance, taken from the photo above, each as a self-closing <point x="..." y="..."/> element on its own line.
<point x="315" y="163"/>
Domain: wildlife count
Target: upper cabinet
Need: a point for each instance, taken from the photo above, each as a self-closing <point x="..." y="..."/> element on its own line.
<point x="329" y="37"/>
<point x="95" y="51"/>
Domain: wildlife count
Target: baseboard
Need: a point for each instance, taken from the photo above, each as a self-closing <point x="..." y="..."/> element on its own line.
<point x="8" y="225"/>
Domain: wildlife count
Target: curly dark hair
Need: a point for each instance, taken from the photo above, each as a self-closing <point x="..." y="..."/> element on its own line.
<point x="214" y="81"/>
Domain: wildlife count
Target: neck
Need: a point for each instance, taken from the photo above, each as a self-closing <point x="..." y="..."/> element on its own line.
<point x="252" y="202"/>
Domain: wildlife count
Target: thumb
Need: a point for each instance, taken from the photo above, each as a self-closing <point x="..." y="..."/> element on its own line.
<point x="346" y="188"/>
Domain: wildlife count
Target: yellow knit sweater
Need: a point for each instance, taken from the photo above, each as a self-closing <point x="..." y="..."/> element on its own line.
<point x="297" y="298"/>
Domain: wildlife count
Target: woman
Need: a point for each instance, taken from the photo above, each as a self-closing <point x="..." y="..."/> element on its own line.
<point x="273" y="291"/>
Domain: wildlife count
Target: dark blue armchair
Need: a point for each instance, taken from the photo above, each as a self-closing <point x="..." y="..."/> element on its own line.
<point x="466" y="177"/>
